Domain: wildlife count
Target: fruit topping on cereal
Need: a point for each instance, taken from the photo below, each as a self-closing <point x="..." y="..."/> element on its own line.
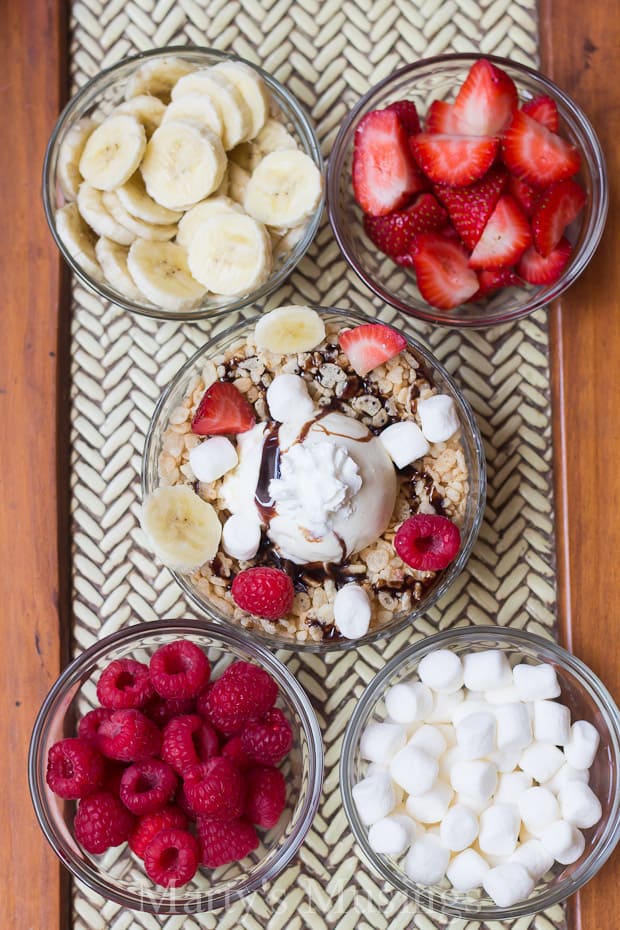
<point x="264" y="592"/>
<point x="427" y="542"/>
<point x="370" y="345"/>
<point x="287" y="330"/>
<point x="222" y="410"/>
<point x="183" y="530"/>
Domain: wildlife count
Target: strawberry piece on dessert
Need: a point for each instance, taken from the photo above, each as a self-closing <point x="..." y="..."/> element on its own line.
<point x="441" y="118"/>
<point x="486" y="100"/>
<point x="494" y="279"/>
<point x="469" y="208"/>
<point x="370" y="345"/>
<point x="558" y="206"/>
<point x="384" y="173"/>
<point x="263" y="592"/>
<point x="408" y="115"/>
<point x="444" y="277"/>
<point x="544" y="110"/>
<point x="535" y="269"/>
<point x="505" y="238"/>
<point x="393" y="233"/>
<point x="453" y="159"/>
<point x="427" y="542"/>
<point x="535" y="154"/>
<point x="223" y="409"/>
<point x="526" y="195"/>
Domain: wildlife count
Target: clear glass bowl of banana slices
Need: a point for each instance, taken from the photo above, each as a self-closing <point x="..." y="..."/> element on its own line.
<point x="182" y="183"/>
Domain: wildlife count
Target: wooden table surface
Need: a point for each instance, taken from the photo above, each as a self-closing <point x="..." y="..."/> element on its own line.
<point x="579" y="46"/>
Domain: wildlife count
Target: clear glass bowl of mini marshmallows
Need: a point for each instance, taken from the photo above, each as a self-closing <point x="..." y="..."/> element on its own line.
<point x="479" y="773"/>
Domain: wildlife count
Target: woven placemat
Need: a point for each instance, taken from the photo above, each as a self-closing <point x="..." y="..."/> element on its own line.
<point x="327" y="53"/>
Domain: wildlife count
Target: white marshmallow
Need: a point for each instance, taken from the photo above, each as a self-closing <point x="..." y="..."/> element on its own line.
<point x="467" y="707"/>
<point x="541" y="761"/>
<point x="551" y="722"/>
<point x="430" y="739"/>
<point x="352" y="611"/>
<point x="467" y="870"/>
<point x="414" y="829"/>
<point x="288" y="399"/>
<point x="486" y="670"/>
<point x="533" y="856"/>
<point x="447" y="760"/>
<point x="505" y="760"/>
<point x="507" y="695"/>
<point x="241" y="537"/>
<point x="213" y="458"/>
<point x="563" y="841"/>
<point x="444" y="706"/>
<point x="427" y="861"/>
<point x="414" y="770"/>
<point x="579" y="805"/>
<point x="567" y="773"/>
<point x="538" y="808"/>
<point x="475" y="735"/>
<point x="476" y="805"/>
<point x="459" y="827"/>
<point x="431" y="806"/>
<point x="536" y="682"/>
<point x="381" y="741"/>
<point x="582" y="744"/>
<point x="438" y="417"/>
<point x="389" y="836"/>
<point x="406" y="703"/>
<point x="477" y="779"/>
<point x="441" y="671"/>
<point x="508" y="883"/>
<point x="374" y="797"/>
<point x="514" y="729"/>
<point x="404" y="442"/>
<point x="511" y="786"/>
<point x="499" y="829"/>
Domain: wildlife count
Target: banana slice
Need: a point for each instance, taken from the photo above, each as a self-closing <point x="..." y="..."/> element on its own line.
<point x="290" y="329"/>
<point x="183" y="531"/>
<point x="136" y="201"/>
<point x="252" y="88"/>
<point x="230" y="254"/>
<point x="198" y="214"/>
<point x="95" y="213"/>
<point x="183" y="164"/>
<point x="196" y="108"/>
<point x="113" y="260"/>
<point x="287" y="242"/>
<point x="273" y="137"/>
<point x="157" y="78"/>
<point x="234" y="112"/>
<point x="140" y="229"/>
<point x="161" y="272"/>
<point x="284" y="189"/>
<point x="238" y="180"/>
<point x="69" y="155"/>
<point x="113" y="152"/>
<point x="148" y="110"/>
<point x="78" y="239"/>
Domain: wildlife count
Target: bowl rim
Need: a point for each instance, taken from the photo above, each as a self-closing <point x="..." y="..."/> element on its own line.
<point x="543" y="295"/>
<point x="484" y="636"/>
<point x="152" y="901"/>
<point x="101" y="288"/>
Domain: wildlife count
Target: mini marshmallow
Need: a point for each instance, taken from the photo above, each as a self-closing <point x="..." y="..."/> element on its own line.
<point x="430" y="739"/>
<point x="381" y="741"/>
<point x="448" y="732"/>
<point x="477" y="779"/>
<point x="458" y="828"/>
<point x="352" y="611"/>
<point x="538" y="808"/>
<point x="567" y="773"/>
<point x="438" y="417"/>
<point x="447" y="760"/>
<point x="579" y="805"/>
<point x="414" y="770"/>
<point x="404" y="442"/>
<point x="414" y="829"/>
<point x="541" y="760"/>
<point x="551" y="722"/>
<point x="507" y="695"/>
<point x="536" y="682"/>
<point x="499" y="829"/>
<point x="431" y="806"/>
<point x="467" y="870"/>
<point x="495" y="860"/>
<point x="505" y="760"/>
<point x="441" y="671"/>
<point x="511" y="785"/>
<point x="427" y="861"/>
<point x="374" y="797"/>
<point x="212" y="458"/>
<point x="474" y="804"/>
<point x="241" y="537"/>
<point x="563" y="841"/>
<point x="444" y="706"/>
<point x="475" y="735"/>
<point x="406" y="703"/>
<point x="582" y="744"/>
<point x="533" y="856"/>
<point x="508" y="883"/>
<point x="486" y="670"/>
<point x="388" y="836"/>
<point x="514" y="729"/>
<point x="288" y="399"/>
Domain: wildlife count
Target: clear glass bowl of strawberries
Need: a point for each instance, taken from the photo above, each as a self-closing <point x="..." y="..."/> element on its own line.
<point x="175" y="767"/>
<point x="467" y="190"/>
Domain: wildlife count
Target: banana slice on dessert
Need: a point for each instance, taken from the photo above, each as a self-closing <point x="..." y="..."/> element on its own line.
<point x="161" y="272"/>
<point x="113" y="260"/>
<point x="157" y="78"/>
<point x="196" y="108"/>
<point x="233" y="110"/>
<point x="148" y="110"/>
<point x="252" y="88"/>
<point x="113" y="152"/>
<point x="136" y="201"/>
<point x="285" y="188"/>
<point x="69" y="155"/>
<point x="230" y="253"/>
<point x="182" y="529"/>
<point x="95" y="213"/>
<point x="191" y="220"/>
<point x="273" y="137"/>
<point x="78" y="239"/>
<point x="289" y="329"/>
<point x="183" y="164"/>
<point x="140" y="229"/>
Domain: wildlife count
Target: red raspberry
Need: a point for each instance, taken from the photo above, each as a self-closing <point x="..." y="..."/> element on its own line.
<point x="147" y="786"/>
<point x="129" y="736"/>
<point x="172" y="857"/>
<point x="161" y="710"/>
<point x="75" y="768"/>
<point x="233" y="751"/>
<point x="265" y="796"/>
<point x="183" y="804"/>
<point x="215" y="788"/>
<point x="113" y="775"/>
<point x="188" y="741"/>
<point x="149" y="825"/>
<point x="88" y="727"/>
<point x="101" y="821"/>
<point x="263" y="592"/>
<point x="268" y="740"/>
<point x="225" y="841"/>
<point x="244" y="692"/>
<point x="427" y="542"/>
<point x="179" y="669"/>
<point x="124" y="683"/>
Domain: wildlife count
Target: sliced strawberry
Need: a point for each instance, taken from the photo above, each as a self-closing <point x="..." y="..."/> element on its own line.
<point x="506" y="236"/>
<point x="544" y="110"/>
<point x="536" y="155"/>
<point x="469" y="208"/>
<point x="408" y="115"/>
<point x="558" y="206"/>
<point x="523" y="193"/>
<point x="444" y="277"/>
<point x="457" y="160"/>
<point x="486" y="101"/>
<point x="223" y="409"/>
<point x="441" y="118"/>
<point x="394" y="232"/>
<point x="370" y="345"/>
<point x="494" y="279"/>
<point x="535" y="269"/>
<point x="384" y="173"/>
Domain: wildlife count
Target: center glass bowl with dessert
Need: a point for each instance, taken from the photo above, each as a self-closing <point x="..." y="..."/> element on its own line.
<point x="313" y="476"/>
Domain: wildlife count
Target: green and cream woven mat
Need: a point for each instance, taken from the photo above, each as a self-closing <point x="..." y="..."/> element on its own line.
<point x="327" y="53"/>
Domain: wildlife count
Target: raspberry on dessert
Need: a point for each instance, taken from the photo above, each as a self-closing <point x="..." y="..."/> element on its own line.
<point x="427" y="542"/>
<point x="102" y="821"/>
<point x="88" y="727"/>
<point x="265" y="797"/>
<point x="179" y="669"/>
<point x="149" y="825"/>
<point x="187" y="741"/>
<point x="233" y="751"/>
<point x="172" y="857"/>
<point x="75" y="768"/>
<point x="147" y="786"/>
<point x="129" y="736"/>
<point x="370" y="345"/>
<point x="124" y="683"/>
<point x="244" y="692"/>
<point x="223" y="409"/>
<point x="161" y="710"/>
<point x="215" y="788"/>
<point x="268" y="740"/>
<point x="225" y="841"/>
<point x="263" y="592"/>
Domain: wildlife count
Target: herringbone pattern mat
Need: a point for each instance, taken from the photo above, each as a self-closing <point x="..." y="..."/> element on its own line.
<point x="328" y="53"/>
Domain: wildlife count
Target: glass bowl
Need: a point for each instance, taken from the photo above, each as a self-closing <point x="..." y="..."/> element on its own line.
<point x="106" y="90"/>
<point x="119" y="876"/>
<point x="581" y="691"/>
<point x="172" y="399"/>
<point x="438" y="78"/>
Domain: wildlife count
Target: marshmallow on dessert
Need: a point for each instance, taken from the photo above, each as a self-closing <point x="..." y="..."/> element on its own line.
<point x="582" y="745"/>
<point x="212" y="458"/>
<point x="432" y="805"/>
<point x="404" y="442"/>
<point x="538" y="808"/>
<point x="406" y="703"/>
<point x="381" y="741"/>
<point x="288" y="399"/>
<point x="579" y="805"/>
<point x="414" y="770"/>
<point x="536" y="682"/>
<point x="563" y="841"/>
<point x="486" y="670"/>
<point x="467" y="870"/>
<point x="508" y="883"/>
<point x="551" y="722"/>
<point x="241" y="537"/>
<point x="458" y="828"/>
<point x="352" y="611"/>
<point x="374" y="797"/>
<point x="427" y="860"/>
<point x="438" y="417"/>
<point x="441" y="671"/>
<point x="499" y="829"/>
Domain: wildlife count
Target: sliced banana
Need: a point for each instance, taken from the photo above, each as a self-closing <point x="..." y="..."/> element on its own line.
<point x="148" y="110"/>
<point x="95" y="213"/>
<point x="78" y="239"/>
<point x="290" y="329"/>
<point x="136" y="201"/>
<point x="273" y="137"/>
<point x="182" y="529"/>
<point x="141" y="230"/>
<point x="230" y="254"/>
<point x="198" y="214"/>
<point x="183" y="164"/>
<point x="69" y="155"/>
<point x="234" y="112"/>
<point x="157" y="78"/>
<point x="161" y="272"/>
<point x="113" y="152"/>
<point x="238" y="180"/>
<point x="285" y="188"/>
<point x="252" y="88"/>
<point x="195" y="108"/>
<point x="113" y="260"/>
<point x="287" y="242"/>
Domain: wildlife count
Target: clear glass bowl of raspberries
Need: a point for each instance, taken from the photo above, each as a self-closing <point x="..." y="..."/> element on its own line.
<point x="467" y="190"/>
<point x="175" y="767"/>
<point x="479" y="773"/>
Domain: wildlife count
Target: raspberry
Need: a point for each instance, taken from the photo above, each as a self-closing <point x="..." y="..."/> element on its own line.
<point x="179" y="669"/>
<point x="88" y="727"/>
<point x="233" y="751"/>
<point x="268" y="740"/>
<point x="215" y="788"/>
<point x="263" y="592"/>
<point x="101" y="821"/>
<point x="225" y="841"/>
<point x="129" y="736"/>
<point x="161" y="710"/>
<point x="147" y="786"/>
<point x="265" y="796"/>
<point x="183" y="804"/>
<point x="172" y="857"/>
<point x="149" y="825"/>
<point x="427" y="542"/>
<point x="188" y="741"/>
<point x="75" y="768"/>
<point x="124" y="683"/>
<point x="113" y="775"/>
<point x="244" y="692"/>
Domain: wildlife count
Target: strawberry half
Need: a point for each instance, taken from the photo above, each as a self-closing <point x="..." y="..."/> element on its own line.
<point x="223" y="409"/>
<point x="394" y="232"/>
<point x="535" y="269"/>
<point x="457" y="160"/>
<point x="384" y="173"/>
<point x="558" y="206"/>
<point x="469" y="208"/>
<point x="441" y="118"/>
<point x="407" y="114"/>
<point x="544" y="110"/>
<point x="506" y="236"/>
<point x="370" y="345"/>
<point x="494" y="279"/>
<point x="536" y="155"/>
<point x="444" y="278"/>
<point x="525" y="195"/>
<point x="486" y="101"/>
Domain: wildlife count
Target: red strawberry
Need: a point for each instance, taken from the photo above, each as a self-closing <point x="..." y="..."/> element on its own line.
<point x="441" y="118"/>
<point x="448" y="159"/>
<point x="264" y="592"/>
<point x="536" y="155"/>
<point x="444" y="278"/>
<point x="544" y="110"/>
<point x="494" y="279"/>
<point x="370" y="345"/>
<point x="506" y="236"/>
<point x="524" y="193"/>
<point x="486" y="101"/>
<point x="384" y="173"/>
<point x="223" y="409"/>
<point x="535" y="269"/>
<point x="470" y="207"/>
<point x="407" y="114"/>
<point x="394" y="232"/>
<point x="558" y="206"/>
